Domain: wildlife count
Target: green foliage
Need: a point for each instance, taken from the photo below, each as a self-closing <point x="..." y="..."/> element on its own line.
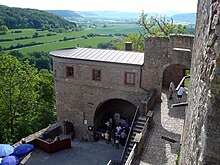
<point x="159" y="26"/>
<point x="178" y="157"/>
<point x="46" y="100"/>
<point x="137" y="42"/>
<point x="3" y="28"/>
<point x="30" y="18"/>
<point x="23" y="99"/>
<point x="17" y="94"/>
<point x="36" y="35"/>
<point x="107" y="45"/>
<point x="41" y="60"/>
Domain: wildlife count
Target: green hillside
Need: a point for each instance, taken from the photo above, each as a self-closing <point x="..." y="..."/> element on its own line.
<point x="31" y="18"/>
<point x="65" y="13"/>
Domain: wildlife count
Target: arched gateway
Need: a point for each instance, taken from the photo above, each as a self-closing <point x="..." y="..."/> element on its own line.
<point x="118" y="110"/>
<point x="173" y="73"/>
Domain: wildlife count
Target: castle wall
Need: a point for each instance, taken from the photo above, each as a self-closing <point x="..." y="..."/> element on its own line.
<point x="160" y="53"/>
<point x="200" y="141"/>
<point x="78" y="97"/>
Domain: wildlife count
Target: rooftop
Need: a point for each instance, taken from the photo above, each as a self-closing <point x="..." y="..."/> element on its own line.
<point x="102" y="55"/>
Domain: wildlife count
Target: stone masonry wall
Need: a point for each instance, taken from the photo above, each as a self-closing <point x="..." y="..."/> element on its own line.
<point x="201" y="137"/>
<point x="78" y="97"/>
<point x="160" y="53"/>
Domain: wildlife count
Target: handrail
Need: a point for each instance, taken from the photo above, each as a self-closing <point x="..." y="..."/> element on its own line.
<point x="131" y="156"/>
<point x="129" y="135"/>
<point x="181" y="82"/>
<point x="109" y="163"/>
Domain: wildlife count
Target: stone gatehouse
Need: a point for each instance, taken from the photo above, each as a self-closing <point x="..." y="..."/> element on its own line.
<point x="93" y="84"/>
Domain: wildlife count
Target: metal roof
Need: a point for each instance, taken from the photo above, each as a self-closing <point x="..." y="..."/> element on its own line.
<point x="103" y="55"/>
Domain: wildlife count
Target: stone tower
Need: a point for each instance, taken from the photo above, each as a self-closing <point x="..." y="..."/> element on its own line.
<point x="162" y="55"/>
<point x="201" y="137"/>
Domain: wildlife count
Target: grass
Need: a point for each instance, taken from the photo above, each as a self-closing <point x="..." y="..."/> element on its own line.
<point x="178" y="156"/>
<point x="90" y="42"/>
<point x="117" y="28"/>
<point x="52" y="42"/>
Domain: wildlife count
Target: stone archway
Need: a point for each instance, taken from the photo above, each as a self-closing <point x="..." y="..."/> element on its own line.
<point x="174" y="72"/>
<point x="109" y="108"/>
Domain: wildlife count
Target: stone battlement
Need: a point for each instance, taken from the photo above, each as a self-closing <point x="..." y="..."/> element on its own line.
<point x="173" y="41"/>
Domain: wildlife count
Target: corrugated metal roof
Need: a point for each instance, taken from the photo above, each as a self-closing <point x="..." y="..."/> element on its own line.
<point x="103" y="55"/>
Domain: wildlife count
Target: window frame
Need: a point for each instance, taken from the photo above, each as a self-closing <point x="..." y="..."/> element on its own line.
<point x="97" y="75"/>
<point x="69" y="71"/>
<point x="127" y="80"/>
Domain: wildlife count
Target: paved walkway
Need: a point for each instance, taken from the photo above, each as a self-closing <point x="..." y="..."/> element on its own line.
<point x="168" y="123"/>
<point x="81" y="153"/>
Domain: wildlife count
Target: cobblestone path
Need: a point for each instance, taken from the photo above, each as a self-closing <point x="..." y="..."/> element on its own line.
<point x="160" y="147"/>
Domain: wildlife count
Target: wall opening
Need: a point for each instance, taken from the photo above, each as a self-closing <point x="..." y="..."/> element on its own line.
<point x="119" y="110"/>
<point x="174" y="73"/>
<point x="68" y="127"/>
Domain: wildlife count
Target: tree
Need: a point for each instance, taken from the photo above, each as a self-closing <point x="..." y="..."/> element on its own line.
<point x="17" y="96"/>
<point x="35" y="35"/>
<point x="45" y="113"/>
<point x="137" y="42"/>
<point x="27" y="101"/>
<point x="159" y="26"/>
<point x="4" y="28"/>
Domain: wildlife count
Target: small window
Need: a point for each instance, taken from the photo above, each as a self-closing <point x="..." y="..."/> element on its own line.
<point x="129" y="78"/>
<point x="69" y="71"/>
<point x="96" y="75"/>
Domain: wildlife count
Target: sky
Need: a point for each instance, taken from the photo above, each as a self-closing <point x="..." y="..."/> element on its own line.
<point x="188" y="6"/>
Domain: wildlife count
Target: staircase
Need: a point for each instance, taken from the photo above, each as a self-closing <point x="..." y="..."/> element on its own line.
<point x="138" y="127"/>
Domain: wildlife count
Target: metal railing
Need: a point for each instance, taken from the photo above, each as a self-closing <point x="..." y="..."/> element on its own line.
<point x="129" y="135"/>
<point x="181" y="82"/>
<point x="114" y="162"/>
<point x="121" y="161"/>
<point x="131" y="156"/>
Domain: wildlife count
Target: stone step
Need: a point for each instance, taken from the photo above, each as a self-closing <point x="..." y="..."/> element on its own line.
<point x="140" y="122"/>
<point x="142" y="118"/>
<point x="126" y="157"/>
<point x="130" y="148"/>
<point x="139" y="126"/>
<point x="131" y="144"/>
<point x="137" y="130"/>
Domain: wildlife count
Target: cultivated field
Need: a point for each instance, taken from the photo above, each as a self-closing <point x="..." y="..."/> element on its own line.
<point x="117" y="28"/>
<point x="28" y="41"/>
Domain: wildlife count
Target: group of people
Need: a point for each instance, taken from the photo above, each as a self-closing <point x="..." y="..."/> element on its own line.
<point x="172" y="89"/>
<point x="116" y="136"/>
<point x="116" y="133"/>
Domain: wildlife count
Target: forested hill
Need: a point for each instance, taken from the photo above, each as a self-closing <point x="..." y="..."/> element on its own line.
<point x="65" y="13"/>
<point x="31" y="18"/>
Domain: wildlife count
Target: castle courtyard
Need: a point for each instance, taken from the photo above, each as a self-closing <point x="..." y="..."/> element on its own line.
<point x="81" y="153"/>
<point x="161" y="147"/>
